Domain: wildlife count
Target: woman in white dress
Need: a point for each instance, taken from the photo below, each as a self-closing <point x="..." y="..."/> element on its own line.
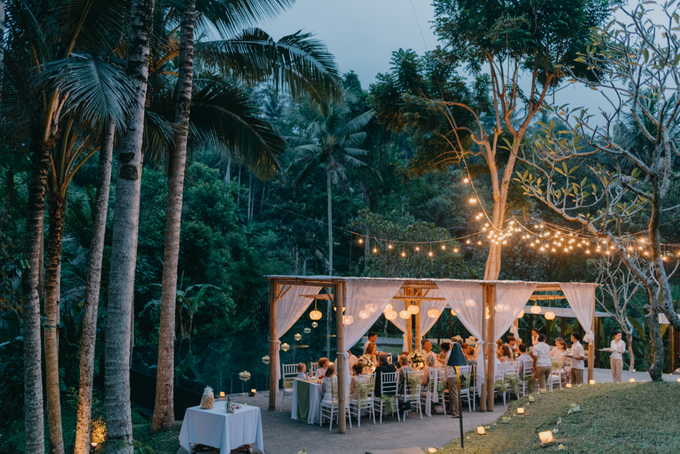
<point x="327" y="384"/>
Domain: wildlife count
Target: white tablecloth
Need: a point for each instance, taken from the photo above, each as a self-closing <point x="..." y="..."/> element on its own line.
<point x="220" y="429"/>
<point x="315" y="396"/>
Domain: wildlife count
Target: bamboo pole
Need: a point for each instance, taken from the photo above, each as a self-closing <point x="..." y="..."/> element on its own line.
<point x="419" y="335"/>
<point x="339" y="297"/>
<point x="492" y="346"/>
<point x="591" y="348"/>
<point x="409" y="322"/>
<point x="273" y="383"/>
<point x="484" y="392"/>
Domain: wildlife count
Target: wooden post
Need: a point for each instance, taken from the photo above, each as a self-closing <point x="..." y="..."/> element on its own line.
<point x="409" y="321"/>
<point x="671" y="348"/>
<point x="562" y="326"/>
<point x="273" y="351"/>
<point x="492" y="346"/>
<point x="484" y="392"/>
<point x="531" y="327"/>
<point x="419" y="335"/>
<point x="339" y="297"/>
<point x="597" y="322"/>
<point x="450" y="325"/>
<point x="591" y="348"/>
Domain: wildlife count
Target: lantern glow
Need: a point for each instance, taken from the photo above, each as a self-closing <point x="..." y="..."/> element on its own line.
<point x="546" y="437"/>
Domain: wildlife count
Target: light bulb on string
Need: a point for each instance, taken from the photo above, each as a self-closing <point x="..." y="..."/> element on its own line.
<point x="361" y="240"/>
<point x="375" y="250"/>
<point x="472" y="200"/>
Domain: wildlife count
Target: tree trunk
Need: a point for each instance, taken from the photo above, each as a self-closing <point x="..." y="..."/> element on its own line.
<point x="629" y="343"/>
<point x="330" y="224"/>
<point x="54" y="239"/>
<point x="93" y="283"/>
<point x="656" y="369"/>
<point x="493" y="261"/>
<point x="367" y="251"/>
<point x="124" y="244"/>
<point x="33" y="392"/>
<point x="9" y="195"/>
<point x="164" y="412"/>
<point x="250" y="197"/>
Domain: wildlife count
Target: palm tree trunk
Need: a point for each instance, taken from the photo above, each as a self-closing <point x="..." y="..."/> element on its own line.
<point x="330" y="224"/>
<point x="164" y="412"/>
<point x="124" y="240"/>
<point x="9" y="194"/>
<point x="94" y="276"/>
<point x="54" y="241"/>
<point x="33" y="392"/>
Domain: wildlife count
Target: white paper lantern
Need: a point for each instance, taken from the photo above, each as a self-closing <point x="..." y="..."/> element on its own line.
<point x="388" y="308"/>
<point x="549" y="315"/>
<point x="315" y="314"/>
<point x="370" y="307"/>
<point x="433" y="313"/>
<point x="470" y="303"/>
<point x="347" y="319"/>
<point x="521" y="314"/>
<point x="391" y="315"/>
<point x="297" y="337"/>
<point x="307" y="330"/>
<point x="314" y="324"/>
<point x="453" y="313"/>
<point x="404" y="314"/>
<point x="413" y="309"/>
<point x="536" y="309"/>
<point x="285" y="347"/>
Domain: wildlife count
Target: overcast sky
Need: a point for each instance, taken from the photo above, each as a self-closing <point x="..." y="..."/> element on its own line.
<point x="362" y="34"/>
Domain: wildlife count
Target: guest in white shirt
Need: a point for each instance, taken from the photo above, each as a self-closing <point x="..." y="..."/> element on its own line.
<point x="352" y="360"/>
<point x="523" y="357"/>
<point x="321" y="371"/>
<point x="534" y="336"/>
<point x="327" y="386"/>
<point x="577" y="358"/>
<point x="302" y="369"/>
<point x="372" y="339"/>
<point x="618" y="349"/>
<point x="559" y="350"/>
<point x="541" y="353"/>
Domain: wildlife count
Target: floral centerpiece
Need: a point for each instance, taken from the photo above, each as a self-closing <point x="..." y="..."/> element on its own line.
<point x="366" y="361"/>
<point x="417" y="358"/>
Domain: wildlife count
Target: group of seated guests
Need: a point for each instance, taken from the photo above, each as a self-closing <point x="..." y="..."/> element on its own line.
<point x="324" y="364"/>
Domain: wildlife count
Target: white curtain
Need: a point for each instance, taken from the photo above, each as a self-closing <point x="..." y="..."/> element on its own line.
<point x="365" y="300"/>
<point x="581" y="298"/>
<point x="426" y="322"/>
<point x="398" y="306"/>
<point x="510" y="300"/>
<point x="470" y="315"/>
<point x="288" y="310"/>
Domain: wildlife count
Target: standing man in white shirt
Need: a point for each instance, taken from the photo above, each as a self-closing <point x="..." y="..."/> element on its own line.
<point x="352" y="360"/>
<point x="541" y="352"/>
<point x="372" y="337"/>
<point x="577" y="358"/>
<point x="618" y="347"/>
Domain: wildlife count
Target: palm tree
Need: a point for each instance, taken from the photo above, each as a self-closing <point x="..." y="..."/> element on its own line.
<point x="298" y="63"/>
<point x="331" y="140"/>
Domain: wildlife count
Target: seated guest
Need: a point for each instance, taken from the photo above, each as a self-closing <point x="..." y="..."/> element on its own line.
<point x="352" y="360"/>
<point x="523" y="356"/>
<point x="499" y="344"/>
<point x="512" y="344"/>
<point x="321" y="371"/>
<point x="534" y="336"/>
<point x="470" y="356"/>
<point x="327" y="385"/>
<point x="383" y="367"/>
<point x="430" y="363"/>
<point x="371" y="350"/>
<point x="506" y="355"/>
<point x="354" y="385"/>
<point x="559" y="350"/>
<point x="441" y="357"/>
<point x="302" y="369"/>
<point x="403" y="368"/>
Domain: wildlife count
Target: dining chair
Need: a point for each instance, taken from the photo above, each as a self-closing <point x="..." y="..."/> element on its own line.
<point x="441" y="383"/>
<point x="289" y="372"/>
<point x="313" y="367"/>
<point x="468" y="390"/>
<point x="365" y="400"/>
<point x="555" y="372"/>
<point x="388" y="385"/>
<point x="330" y="409"/>
<point x="412" y="391"/>
<point x="498" y="380"/>
<point x="431" y="393"/>
<point x="511" y="371"/>
<point x="527" y="368"/>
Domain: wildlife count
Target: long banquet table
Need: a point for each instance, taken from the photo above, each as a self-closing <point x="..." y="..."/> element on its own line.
<point x="307" y="395"/>
<point x="220" y="429"/>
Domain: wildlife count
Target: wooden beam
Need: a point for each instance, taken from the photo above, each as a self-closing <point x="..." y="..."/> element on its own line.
<point x="546" y="297"/>
<point x="339" y="293"/>
<point x="318" y="296"/>
<point x="273" y="382"/>
<point x="417" y="298"/>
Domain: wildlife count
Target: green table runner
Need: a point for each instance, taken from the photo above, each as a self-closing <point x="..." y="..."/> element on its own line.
<point x="302" y="400"/>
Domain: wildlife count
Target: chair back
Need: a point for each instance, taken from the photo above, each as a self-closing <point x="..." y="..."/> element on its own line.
<point x="313" y="367"/>
<point x="412" y="384"/>
<point x="499" y="372"/>
<point x="466" y="371"/>
<point x="289" y="374"/>
<point x="528" y="368"/>
<point x="511" y="368"/>
<point x="389" y="383"/>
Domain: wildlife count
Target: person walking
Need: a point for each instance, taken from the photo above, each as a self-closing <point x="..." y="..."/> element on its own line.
<point x="618" y="347"/>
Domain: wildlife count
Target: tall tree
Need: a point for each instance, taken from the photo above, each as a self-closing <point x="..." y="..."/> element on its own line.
<point x="124" y="240"/>
<point x="627" y="177"/>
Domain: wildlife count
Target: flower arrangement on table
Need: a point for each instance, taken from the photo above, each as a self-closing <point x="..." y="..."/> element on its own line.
<point x="417" y="359"/>
<point x="366" y="361"/>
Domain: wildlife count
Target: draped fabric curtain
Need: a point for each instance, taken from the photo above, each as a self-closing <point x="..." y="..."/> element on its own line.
<point x="398" y="306"/>
<point x="470" y="315"/>
<point x="581" y="298"/>
<point x="510" y="300"/>
<point x="427" y="322"/>
<point x="288" y="310"/>
<point x="365" y="300"/>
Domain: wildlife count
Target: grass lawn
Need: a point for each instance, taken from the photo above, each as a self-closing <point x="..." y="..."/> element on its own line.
<point x="166" y="442"/>
<point x="614" y="418"/>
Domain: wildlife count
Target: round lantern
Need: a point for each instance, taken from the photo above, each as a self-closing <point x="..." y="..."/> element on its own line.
<point x="388" y="308"/>
<point x="549" y="315"/>
<point x="363" y="315"/>
<point x="470" y="303"/>
<point x="347" y="319"/>
<point x="521" y="314"/>
<point x="315" y="314"/>
<point x="535" y="309"/>
<point x="307" y="330"/>
<point x="314" y="324"/>
<point x="370" y="307"/>
<point x="413" y="309"/>
<point x="433" y="313"/>
<point x="404" y="314"/>
<point x="265" y="359"/>
<point x="391" y="315"/>
<point x="285" y="347"/>
<point x="453" y="313"/>
<point x="297" y="337"/>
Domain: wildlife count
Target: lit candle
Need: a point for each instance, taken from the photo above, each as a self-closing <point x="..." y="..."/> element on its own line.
<point x="632" y="380"/>
<point x="543" y="390"/>
<point x="432" y="450"/>
<point x="546" y="437"/>
<point x="481" y="430"/>
<point x="678" y="380"/>
<point x="592" y="382"/>
<point x="222" y="394"/>
<point x="568" y="385"/>
<point x="532" y="398"/>
<point x="520" y="410"/>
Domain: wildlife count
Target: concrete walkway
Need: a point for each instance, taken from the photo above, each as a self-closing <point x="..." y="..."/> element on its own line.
<point x="283" y="435"/>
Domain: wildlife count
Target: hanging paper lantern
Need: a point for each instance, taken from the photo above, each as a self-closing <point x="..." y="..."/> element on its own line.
<point x="315" y="314"/>
<point x="285" y="347"/>
<point x="549" y="315"/>
<point x="433" y="313"/>
<point x="535" y="309"/>
<point x="521" y="314"/>
<point x="265" y="359"/>
<point x="388" y="308"/>
<point x="347" y="319"/>
<point x="363" y="315"/>
<point x="297" y="337"/>
<point x="391" y="315"/>
<point x="404" y="314"/>
<point x="413" y="309"/>
<point x="470" y="303"/>
<point x="453" y="313"/>
<point x="307" y="330"/>
<point x="314" y="324"/>
<point x="370" y="307"/>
